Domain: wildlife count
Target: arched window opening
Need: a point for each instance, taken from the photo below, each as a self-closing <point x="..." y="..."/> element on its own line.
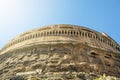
<point x="85" y="34"/>
<point x="96" y="37"/>
<point x="36" y="35"/>
<point x="71" y="32"/>
<point x="77" y="33"/>
<point x="16" y="41"/>
<point x="68" y="32"/>
<point x="33" y="36"/>
<point x="62" y="32"/>
<point x="80" y="33"/>
<point x="74" y="32"/>
<point x="30" y="36"/>
<point x="56" y="32"/>
<point x="65" y="32"/>
<point x="105" y="41"/>
<point x="11" y="43"/>
<point x="101" y="39"/>
<point x="22" y="39"/>
<point x="19" y="40"/>
<point x="53" y="32"/>
<point x="119" y="48"/>
<point x="47" y="33"/>
<point x="44" y="33"/>
<point x="111" y="44"/>
<point x="25" y="38"/>
<point x="59" y="32"/>
<point x="116" y="47"/>
<point x="108" y="43"/>
<point x="41" y="34"/>
<point x="50" y="32"/>
<point x="89" y="35"/>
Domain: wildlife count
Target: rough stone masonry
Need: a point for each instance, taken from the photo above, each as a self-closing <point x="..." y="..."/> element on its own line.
<point x="60" y="50"/>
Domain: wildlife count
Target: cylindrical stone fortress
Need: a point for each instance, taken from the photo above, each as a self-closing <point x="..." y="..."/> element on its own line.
<point x="58" y="48"/>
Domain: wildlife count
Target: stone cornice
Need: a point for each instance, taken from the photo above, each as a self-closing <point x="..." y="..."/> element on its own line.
<point x="61" y="33"/>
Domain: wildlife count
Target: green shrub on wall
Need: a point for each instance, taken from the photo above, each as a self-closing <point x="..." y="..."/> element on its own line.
<point x="104" y="77"/>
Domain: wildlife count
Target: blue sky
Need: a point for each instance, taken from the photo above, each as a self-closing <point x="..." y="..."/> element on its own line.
<point x="18" y="16"/>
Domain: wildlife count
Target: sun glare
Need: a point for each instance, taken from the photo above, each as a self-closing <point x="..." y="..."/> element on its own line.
<point x="8" y="7"/>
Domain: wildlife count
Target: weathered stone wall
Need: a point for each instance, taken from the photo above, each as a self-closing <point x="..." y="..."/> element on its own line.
<point x="59" y="58"/>
<point x="60" y="49"/>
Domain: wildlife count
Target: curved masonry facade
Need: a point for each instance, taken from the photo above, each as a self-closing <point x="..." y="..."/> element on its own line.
<point x="61" y="50"/>
<point x="63" y="34"/>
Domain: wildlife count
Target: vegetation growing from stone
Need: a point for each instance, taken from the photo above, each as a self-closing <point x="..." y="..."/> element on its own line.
<point x="104" y="77"/>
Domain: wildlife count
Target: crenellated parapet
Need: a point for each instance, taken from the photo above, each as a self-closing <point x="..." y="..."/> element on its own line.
<point x="63" y="34"/>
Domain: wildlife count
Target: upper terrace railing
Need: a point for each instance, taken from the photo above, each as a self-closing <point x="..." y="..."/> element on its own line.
<point x="64" y="32"/>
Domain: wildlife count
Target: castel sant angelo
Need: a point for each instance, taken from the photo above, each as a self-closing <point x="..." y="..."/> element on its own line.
<point x="60" y="52"/>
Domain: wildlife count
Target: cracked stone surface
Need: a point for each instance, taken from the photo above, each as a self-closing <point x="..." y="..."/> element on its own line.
<point x="67" y="54"/>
